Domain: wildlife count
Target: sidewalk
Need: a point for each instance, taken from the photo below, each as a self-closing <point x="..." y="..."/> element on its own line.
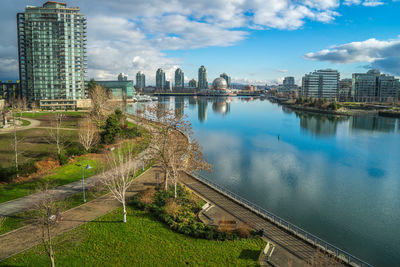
<point x="28" y="236"/>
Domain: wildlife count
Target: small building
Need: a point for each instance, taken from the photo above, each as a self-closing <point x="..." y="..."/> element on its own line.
<point x="65" y="104"/>
<point x="9" y="90"/>
<point x="120" y="89"/>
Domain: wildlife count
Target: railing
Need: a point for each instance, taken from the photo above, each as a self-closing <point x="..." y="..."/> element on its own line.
<point x="314" y="240"/>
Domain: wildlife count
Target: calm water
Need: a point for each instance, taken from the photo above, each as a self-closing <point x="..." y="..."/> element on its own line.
<point x="337" y="178"/>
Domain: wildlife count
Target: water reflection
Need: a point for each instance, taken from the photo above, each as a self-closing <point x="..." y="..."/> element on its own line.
<point x="319" y="125"/>
<point x="372" y="124"/>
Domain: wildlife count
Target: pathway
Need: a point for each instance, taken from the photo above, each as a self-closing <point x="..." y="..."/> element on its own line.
<point x="33" y="124"/>
<point x="296" y="246"/>
<point x="28" y="236"/>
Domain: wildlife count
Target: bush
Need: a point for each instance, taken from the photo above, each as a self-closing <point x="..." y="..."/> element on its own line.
<point x="131" y="133"/>
<point x="111" y="130"/>
<point x="8" y="174"/>
<point x="62" y="158"/>
<point x="75" y="149"/>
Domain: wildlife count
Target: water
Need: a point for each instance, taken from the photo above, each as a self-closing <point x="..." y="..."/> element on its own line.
<point x="337" y="178"/>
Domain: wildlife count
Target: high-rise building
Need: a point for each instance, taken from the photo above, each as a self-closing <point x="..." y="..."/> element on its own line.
<point x="374" y="86"/>
<point x="203" y="83"/>
<point x="288" y="85"/>
<point x="160" y="79"/>
<point x="227" y="79"/>
<point x="9" y="90"/>
<point x="345" y="89"/>
<point x="193" y="83"/>
<point x="140" y="81"/>
<point x="51" y="49"/>
<point x="122" y="77"/>
<point x="179" y="79"/>
<point x="321" y="84"/>
<point x="168" y="86"/>
<point x="289" y="81"/>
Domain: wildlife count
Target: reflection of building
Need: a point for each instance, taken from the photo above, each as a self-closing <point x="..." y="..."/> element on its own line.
<point x="227" y="79"/>
<point x="179" y="79"/>
<point x="193" y="83"/>
<point x="221" y="105"/>
<point x="52" y="48"/>
<point x="318" y="124"/>
<point x="373" y="123"/>
<point x="160" y="79"/>
<point x="140" y="81"/>
<point x="179" y="106"/>
<point x="9" y="90"/>
<point x="202" y="109"/>
<point x="374" y="86"/>
<point x="321" y="84"/>
<point x="203" y="83"/>
<point x="192" y="102"/>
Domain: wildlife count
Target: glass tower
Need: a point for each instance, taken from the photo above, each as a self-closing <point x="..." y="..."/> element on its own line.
<point x="140" y="80"/>
<point x="321" y="84"/>
<point x="160" y="79"/>
<point x="179" y="79"/>
<point x="52" y="48"/>
<point x="203" y="83"/>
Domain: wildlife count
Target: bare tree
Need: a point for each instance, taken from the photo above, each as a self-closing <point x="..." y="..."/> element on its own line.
<point x="55" y="133"/>
<point x="15" y="144"/>
<point x="34" y="106"/>
<point x="173" y="145"/>
<point x="100" y="104"/>
<point x="121" y="176"/>
<point x="46" y="217"/>
<point x="88" y="134"/>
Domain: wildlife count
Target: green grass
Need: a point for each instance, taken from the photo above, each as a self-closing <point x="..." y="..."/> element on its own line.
<point x="18" y="220"/>
<point x="60" y="176"/>
<point x="36" y="115"/>
<point x="142" y="241"/>
<point x="25" y="123"/>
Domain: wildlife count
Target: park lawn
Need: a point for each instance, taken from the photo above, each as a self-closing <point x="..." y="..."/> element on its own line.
<point x="142" y="241"/>
<point x="62" y="175"/>
<point x="38" y="114"/>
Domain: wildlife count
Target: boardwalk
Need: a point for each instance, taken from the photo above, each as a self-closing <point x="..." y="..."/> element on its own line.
<point x="296" y="246"/>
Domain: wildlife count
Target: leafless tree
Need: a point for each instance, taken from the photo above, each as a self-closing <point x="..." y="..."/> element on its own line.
<point x="47" y="215"/>
<point x="100" y="104"/>
<point x="15" y="144"/>
<point x="173" y="145"/>
<point x="55" y="133"/>
<point x="34" y="106"/>
<point x="121" y="175"/>
<point x="88" y="134"/>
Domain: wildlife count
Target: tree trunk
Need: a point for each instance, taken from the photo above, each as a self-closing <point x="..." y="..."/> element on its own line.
<point x="16" y="149"/>
<point x="175" y="188"/>
<point x="51" y="252"/>
<point x="124" y="207"/>
<point x="166" y="181"/>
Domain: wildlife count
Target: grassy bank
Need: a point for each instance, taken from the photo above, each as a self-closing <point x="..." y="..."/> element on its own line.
<point x="142" y="241"/>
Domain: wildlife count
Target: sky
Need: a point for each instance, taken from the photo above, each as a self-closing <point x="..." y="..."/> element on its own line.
<point x="254" y="41"/>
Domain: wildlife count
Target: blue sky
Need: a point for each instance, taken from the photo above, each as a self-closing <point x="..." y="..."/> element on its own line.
<point x="254" y="41"/>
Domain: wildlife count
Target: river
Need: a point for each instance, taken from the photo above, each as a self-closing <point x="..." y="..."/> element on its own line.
<point x="336" y="177"/>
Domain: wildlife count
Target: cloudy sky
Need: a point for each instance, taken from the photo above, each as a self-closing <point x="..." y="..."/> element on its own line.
<point x="255" y="41"/>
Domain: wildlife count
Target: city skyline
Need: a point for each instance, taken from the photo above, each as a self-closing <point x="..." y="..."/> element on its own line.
<point x="253" y="48"/>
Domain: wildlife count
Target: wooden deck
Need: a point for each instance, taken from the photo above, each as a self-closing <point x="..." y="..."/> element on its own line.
<point x="293" y="244"/>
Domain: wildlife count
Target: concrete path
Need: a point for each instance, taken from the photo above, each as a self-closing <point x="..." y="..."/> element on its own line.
<point x="28" y="236"/>
<point x="33" y="124"/>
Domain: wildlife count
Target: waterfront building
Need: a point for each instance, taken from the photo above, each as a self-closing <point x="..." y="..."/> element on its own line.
<point x="168" y="86"/>
<point x="160" y="79"/>
<point x="288" y="85"/>
<point x="51" y="50"/>
<point x="203" y="83"/>
<point x="140" y="81"/>
<point x="193" y="83"/>
<point x="227" y="79"/>
<point x="374" y="86"/>
<point x="321" y="84"/>
<point x="121" y="89"/>
<point x="345" y="89"/>
<point x="9" y="90"/>
<point x="179" y="79"/>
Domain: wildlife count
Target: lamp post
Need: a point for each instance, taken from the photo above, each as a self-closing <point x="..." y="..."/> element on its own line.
<point x="83" y="178"/>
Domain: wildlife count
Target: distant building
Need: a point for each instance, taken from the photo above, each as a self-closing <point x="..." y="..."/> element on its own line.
<point x="120" y="89"/>
<point x="160" y="79"/>
<point x="168" y="86"/>
<point x="227" y="79"/>
<point x="374" y="86"/>
<point x="250" y="88"/>
<point x="9" y="90"/>
<point x="321" y="84"/>
<point x="193" y="83"/>
<point x="122" y="77"/>
<point x="203" y="83"/>
<point x="288" y="85"/>
<point x="345" y="89"/>
<point x="65" y="104"/>
<point x="140" y="81"/>
<point x="179" y="79"/>
<point x="51" y="50"/>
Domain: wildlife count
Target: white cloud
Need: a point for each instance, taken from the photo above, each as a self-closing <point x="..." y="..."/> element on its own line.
<point x="368" y="3"/>
<point x="380" y="54"/>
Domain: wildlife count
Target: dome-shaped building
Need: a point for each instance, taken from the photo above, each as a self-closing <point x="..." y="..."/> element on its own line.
<point x="219" y="84"/>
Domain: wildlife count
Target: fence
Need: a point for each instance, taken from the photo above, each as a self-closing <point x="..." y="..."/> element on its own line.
<point x="316" y="241"/>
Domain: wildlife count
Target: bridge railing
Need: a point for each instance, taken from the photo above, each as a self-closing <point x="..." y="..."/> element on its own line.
<point x="316" y="241"/>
